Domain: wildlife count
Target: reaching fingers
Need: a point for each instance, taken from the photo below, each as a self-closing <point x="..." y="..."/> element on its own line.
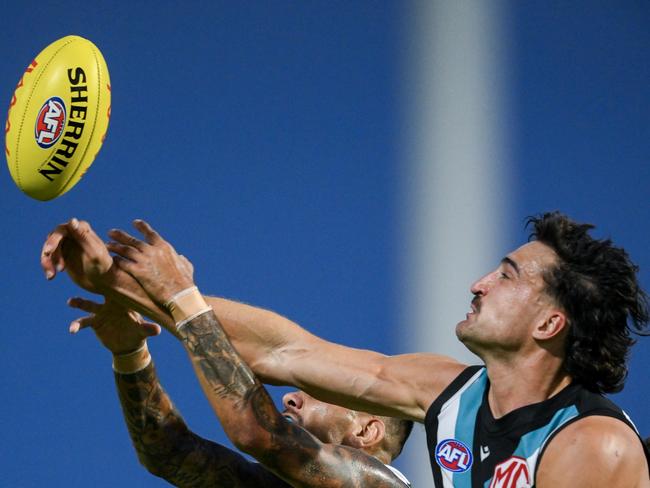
<point x="145" y="329"/>
<point x="81" y="323"/>
<point x="123" y="264"/>
<point x="83" y="234"/>
<point x="127" y="239"/>
<point x="84" y="304"/>
<point x="51" y="257"/>
<point x="123" y="250"/>
<point x="58" y="259"/>
<point x="71" y="238"/>
<point x="150" y="235"/>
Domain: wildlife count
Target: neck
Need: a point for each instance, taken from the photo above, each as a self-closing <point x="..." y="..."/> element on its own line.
<point x="523" y="381"/>
<point x="378" y="453"/>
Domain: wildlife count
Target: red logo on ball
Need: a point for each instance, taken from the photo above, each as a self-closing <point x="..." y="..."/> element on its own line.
<point x="50" y="122"/>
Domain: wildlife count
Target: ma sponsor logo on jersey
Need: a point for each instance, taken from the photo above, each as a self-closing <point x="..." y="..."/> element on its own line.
<point x="50" y="122"/>
<point x="453" y="456"/>
<point x="512" y="473"/>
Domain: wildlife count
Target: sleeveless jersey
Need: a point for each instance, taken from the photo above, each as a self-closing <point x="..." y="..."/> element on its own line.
<point x="469" y="448"/>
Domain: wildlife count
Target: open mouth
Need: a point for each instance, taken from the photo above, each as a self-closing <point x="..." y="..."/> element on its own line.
<point x="290" y="417"/>
<point x="474" y="307"/>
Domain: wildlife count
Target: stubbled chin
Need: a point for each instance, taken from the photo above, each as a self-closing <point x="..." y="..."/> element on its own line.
<point x="462" y="330"/>
<point x="468" y="336"/>
<point x="461" y="325"/>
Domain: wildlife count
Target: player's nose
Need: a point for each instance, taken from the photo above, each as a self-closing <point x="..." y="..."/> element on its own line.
<point x="293" y="400"/>
<point x="481" y="286"/>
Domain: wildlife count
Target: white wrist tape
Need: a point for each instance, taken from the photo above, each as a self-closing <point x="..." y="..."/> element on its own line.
<point x="186" y="305"/>
<point x="132" y="362"/>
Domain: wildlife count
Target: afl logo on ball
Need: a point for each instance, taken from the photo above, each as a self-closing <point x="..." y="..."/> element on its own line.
<point x="453" y="456"/>
<point x="50" y="122"/>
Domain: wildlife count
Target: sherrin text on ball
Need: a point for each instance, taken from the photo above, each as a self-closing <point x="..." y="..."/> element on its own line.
<point x="58" y="117"/>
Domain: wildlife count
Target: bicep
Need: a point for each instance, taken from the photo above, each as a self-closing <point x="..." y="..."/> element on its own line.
<point x="281" y="352"/>
<point x="402" y="386"/>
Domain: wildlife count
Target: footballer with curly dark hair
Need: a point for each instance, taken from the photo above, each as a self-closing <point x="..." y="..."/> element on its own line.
<point x="553" y="324"/>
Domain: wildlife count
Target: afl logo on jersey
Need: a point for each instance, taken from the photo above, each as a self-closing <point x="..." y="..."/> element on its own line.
<point x="50" y="122"/>
<point x="453" y="456"/>
<point x="512" y="473"/>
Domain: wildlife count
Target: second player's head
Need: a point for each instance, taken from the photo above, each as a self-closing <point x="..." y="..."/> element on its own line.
<point x="379" y="436"/>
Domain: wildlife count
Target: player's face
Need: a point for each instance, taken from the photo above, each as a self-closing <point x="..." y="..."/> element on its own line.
<point x="509" y="302"/>
<point x="330" y="423"/>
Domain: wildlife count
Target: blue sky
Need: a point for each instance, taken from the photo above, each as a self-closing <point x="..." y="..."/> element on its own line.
<point x="261" y="138"/>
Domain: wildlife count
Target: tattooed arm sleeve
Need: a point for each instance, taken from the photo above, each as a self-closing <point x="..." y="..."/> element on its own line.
<point x="168" y="449"/>
<point x="255" y="426"/>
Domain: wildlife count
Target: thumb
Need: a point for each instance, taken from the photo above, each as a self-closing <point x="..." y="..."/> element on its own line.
<point x="149" y="329"/>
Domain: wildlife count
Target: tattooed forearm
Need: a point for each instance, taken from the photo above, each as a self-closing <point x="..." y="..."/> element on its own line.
<point x="227" y="374"/>
<point x="228" y="382"/>
<point x="252" y="422"/>
<point x="167" y="448"/>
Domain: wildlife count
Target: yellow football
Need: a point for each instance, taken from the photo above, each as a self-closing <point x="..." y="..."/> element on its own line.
<point x="58" y="117"/>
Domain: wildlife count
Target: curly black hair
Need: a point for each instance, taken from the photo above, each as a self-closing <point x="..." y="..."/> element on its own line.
<point x="596" y="284"/>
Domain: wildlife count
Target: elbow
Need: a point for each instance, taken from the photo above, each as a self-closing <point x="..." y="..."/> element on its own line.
<point x="151" y="464"/>
<point x="173" y="442"/>
<point x="274" y="367"/>
<point x="256" y="434"/>
<point x="250" y="439"/>
<point x="265" y="438"/>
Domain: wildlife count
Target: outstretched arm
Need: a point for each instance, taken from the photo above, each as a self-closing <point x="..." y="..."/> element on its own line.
<point x="281" y="352"/>
<point x="255" y="426"/>
<point x="162" y="440"/>
<point x="277" y="349"/>
<point x="168" y="449"/>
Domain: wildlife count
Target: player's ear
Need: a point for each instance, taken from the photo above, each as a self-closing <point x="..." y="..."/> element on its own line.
<point x="553" y="325"/>
<point x="369" y="432"/>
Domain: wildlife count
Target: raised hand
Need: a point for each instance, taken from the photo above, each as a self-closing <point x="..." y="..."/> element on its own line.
<point x="77" y="249"/>
<point x="159" y="269"/>
<point x="120" y="330"/>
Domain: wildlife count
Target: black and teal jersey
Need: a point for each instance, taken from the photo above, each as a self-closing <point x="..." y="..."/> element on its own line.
<point x="469" y="448"/>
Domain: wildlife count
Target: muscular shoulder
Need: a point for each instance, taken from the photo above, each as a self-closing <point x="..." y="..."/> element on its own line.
<point x="595" y="451"/>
